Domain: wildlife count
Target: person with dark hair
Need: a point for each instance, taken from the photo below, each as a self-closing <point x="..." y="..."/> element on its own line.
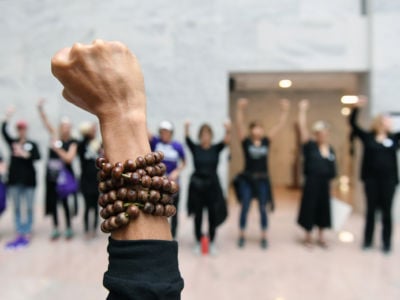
<point x="89" y="149"/>
<point x="143" y="258"/>
<point x="205" y="190"/>
<point x="174" y="159"/>
<point x="379" y="172"/>
<point x="21" y="178"/>
<point x="319" y="170"/>
<point x="63" y="149"/>
<point x="254" y="182"/>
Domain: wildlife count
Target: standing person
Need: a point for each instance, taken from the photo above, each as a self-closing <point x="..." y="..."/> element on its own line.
<point x="174" y="159"/>
<point x="205" y="189"/>
<point x="62" y="152"/>
<point x="319" y="170"/>
<point x="255" y="181"/>
<point x="379" y="173"/>
<point x="89" y="149"/>
<point x="21" y="178"/>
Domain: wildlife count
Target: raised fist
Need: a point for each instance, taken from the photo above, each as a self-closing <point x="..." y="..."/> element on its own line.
<point x="242" y="103"/>
<point x="304" y="105"/>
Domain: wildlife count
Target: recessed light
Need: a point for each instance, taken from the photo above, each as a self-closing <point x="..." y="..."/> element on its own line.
<point x="285" y="83"/>
<point x="349" y="99"/>
<point x="345" y="111"/>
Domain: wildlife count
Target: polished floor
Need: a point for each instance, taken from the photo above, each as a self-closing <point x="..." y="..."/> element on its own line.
<point x="286" y="271"/>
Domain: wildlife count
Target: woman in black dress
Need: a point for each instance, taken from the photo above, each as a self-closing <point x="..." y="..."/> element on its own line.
<point x="205" y="189"/>
<point x="319" y="170"/>
<point x="254" y="181"/>
<point x="378" y="172"/>
<point x="89" y="149"/>
<point x="62" y="152"/>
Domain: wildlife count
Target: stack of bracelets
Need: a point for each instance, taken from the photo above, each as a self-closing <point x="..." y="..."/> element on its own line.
<point x="133" y="186"/>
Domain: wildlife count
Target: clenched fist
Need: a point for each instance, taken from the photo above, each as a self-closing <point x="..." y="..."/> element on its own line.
<point x="103" y="78"/>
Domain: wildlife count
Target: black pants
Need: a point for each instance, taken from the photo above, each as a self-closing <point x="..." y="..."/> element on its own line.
<point x="91" y="205"/>
<point x="198" y="218"/>
<point x="379" y="193"/>
<point x="64" y="203"/>
<point x="52" y="201"/>
<point x="174" y="220"/>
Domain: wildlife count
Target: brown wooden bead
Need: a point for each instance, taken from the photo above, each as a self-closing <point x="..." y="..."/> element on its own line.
<point x="104" y="228"/>
<point x="133" y="211"/>
<point x="129" y="165"/>
<point x="161" y="155"/>
<point x="157" y="157"/>
<point x="174" y="188"/>
<point x="149" y="158"/>
<point x="159" y="210"/>
<point x="166" y="187"/>
<point x="100" y="200"/>
<point x="170" y="210"/>
<point x="166" y="199"/>
<point x="148" y="208"/>
<point x="107" y="168"/>
<point x="146" y="181"/>
<point x="135" y="178"/>
<point x="104" y="213"/>
<point x="154" y="196"/>
<point x="117" y="173"/>
<point x="119" y="165"/>
<point x="112" y="195"/>
<point x="141" y="172"/>
<point x="140" y="162"/>
<point x="109" y="209"/>
<point x="109" y="184"/>
<point x="100" y="161"/>
<point x="122" y="193"/>
<point x="156" y="182"/>
<point x="131" y="195"/>
<point x="118" y="207"/>
<point x="161" y="168"/>
<point x="102" y="187"/>
<point x="113" y="223"/>
<point x="101" y="175"/>
<point x="117" y="183"/>
<point x="143" y="195"/>
<point x="122" y="219"/>
<point x="106" y="198"/>
<point x="151" y="171"/>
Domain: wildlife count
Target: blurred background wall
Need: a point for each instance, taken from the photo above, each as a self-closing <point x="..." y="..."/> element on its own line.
<point x="190" y="49"/>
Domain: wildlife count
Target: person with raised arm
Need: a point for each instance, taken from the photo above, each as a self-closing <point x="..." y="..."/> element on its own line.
<point x="319" y="169"/>
<point x="254" y="181"/>
<point x="105" y="79"/>
<point x="205" y="190"/>
<point x="379" y="172"/>
<point x="62" y="151"/>
<point x="21" y="178"/>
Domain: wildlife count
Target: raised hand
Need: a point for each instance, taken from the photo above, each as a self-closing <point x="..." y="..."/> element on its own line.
<point x="242" y="103"/>
<point x="285" y="105"/>
<point x="228" y="125"/>
<point x="9" y="112"/>
<point x="304" y="105"/>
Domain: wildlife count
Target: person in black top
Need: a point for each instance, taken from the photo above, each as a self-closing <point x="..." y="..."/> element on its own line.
<point x="143" y="258"/>
<point x="89" y="149"/>
<point x="378" y="172"/>
<point x="205" y="189"/>
<point x="319" y="170"/>
<point x="254" y="182"/>
<point x="63" y="149"/>
<point x="21" y="178"/>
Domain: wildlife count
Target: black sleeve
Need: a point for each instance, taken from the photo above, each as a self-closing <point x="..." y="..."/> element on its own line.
<point x="6" y="136"/>
<point x="143" y="270"/>
<point x="35" y="154"/>
<point x="220" y="146"/>
<point x="354" y="125"/>
<point x="190" y="144"/>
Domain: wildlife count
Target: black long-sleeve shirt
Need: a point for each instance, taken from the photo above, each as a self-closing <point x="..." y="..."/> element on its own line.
<point x="143" y="270"/>
<point x="21" y="170"/>
<point x="379" y="158"/>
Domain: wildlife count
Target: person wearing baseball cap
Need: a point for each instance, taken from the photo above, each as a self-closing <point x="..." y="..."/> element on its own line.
<point x="21" y="178"/>
<point x="174" y="159"/>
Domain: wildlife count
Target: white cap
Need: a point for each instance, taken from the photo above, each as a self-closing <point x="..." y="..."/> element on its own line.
<point x="166" y="125"/>
<point x="320" y="126"/>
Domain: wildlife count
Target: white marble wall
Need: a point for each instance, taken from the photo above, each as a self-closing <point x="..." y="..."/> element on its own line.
<point x="187" y="48"/>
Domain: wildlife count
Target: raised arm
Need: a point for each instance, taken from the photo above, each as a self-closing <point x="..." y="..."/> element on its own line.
<point x="228" y="129"/>
<point x="285" y="107"/>
<point x="302" y="121"/>
<point x="66" y="156"/>
<point x="241" y="106"/>
<point x="353" y="119"/>
<point x="188" y="139"/>
<point x="52" y="131"/>
<point x="9" y="113"/>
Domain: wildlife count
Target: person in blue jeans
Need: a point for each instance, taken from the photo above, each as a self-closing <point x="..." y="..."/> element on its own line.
<point x="21" y="179"/>
<point x="254" y="182"/>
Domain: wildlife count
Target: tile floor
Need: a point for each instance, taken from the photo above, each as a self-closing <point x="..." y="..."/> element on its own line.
<point x="286" y="271"/>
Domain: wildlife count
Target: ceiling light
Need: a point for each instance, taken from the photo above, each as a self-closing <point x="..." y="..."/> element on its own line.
<point x="345" y="111"/>
<point x="349" y="99"/>
<point x="285" y="83"/>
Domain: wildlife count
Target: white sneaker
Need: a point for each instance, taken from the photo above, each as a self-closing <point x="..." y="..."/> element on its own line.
<point x="197" y="249"/>
<point x="213" y="249"/>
